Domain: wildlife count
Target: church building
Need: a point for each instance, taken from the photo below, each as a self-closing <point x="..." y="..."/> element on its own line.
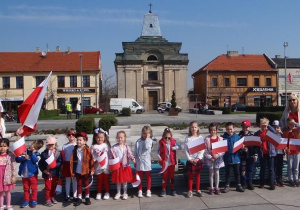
<point x="151" y="67"/>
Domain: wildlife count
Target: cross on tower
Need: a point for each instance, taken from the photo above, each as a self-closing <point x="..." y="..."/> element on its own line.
<point x="150" y="11"/>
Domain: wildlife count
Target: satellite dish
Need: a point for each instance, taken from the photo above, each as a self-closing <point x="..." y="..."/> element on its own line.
<point x="44" y="53"/>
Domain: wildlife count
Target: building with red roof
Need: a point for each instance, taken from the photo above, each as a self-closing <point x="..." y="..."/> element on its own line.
<point x="22" y="72"/>
<point x="237" y="78"/>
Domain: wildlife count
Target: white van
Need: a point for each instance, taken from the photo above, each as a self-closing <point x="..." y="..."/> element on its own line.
<point x="117" y="104"/>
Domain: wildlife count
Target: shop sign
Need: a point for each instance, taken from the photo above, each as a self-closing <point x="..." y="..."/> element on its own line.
<point x="75" y="90"/>
<point x="262" y="89"/>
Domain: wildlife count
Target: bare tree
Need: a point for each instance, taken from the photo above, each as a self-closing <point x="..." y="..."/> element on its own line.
<point x="109" y="90"/>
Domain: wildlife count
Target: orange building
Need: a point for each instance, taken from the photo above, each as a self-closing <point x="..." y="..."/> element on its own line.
<point x="233" y="78"/>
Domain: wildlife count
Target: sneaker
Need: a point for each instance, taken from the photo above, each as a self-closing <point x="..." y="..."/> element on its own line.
<point x="24" y="204"/>
<point x="173" y="192"/>
<point x="189" y="194"/>
<point x="239" y="188"/>
<point x="163" y="193"/>
<point x="291" y="183"/>
<point x="211" y="191"/>
<point x="140" y="194"/>
<point x="226" y="189"/>
<point x="98" y="196"/>
<point x="48" y="203"/>
<point x="251" y="187"/>
<point x="33" y="204"/>
<point x="199" y="193"/>
<point x="261" y="186"/>
<point x="9" y="208"/>
<point x="148" y="194"/>
<point x="272" y="187"/>
<point x="280" y="184"/>
<point x="106" y="196"/>
<point x="217" y="191"/>
<point x="53" y="200"/>
<point x="117" y="196"/>
<point x="125" y="196"/>
<point x="77" y="202"/>
<point x="297" y="183"/>
<point x="87" y="201"/>
<point x="67" y="199"/>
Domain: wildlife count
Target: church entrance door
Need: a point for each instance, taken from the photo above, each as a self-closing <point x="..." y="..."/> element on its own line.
<point x="153" y="100"/>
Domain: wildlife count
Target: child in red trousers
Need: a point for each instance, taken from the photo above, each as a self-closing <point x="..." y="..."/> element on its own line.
<point x="167" y="158"/>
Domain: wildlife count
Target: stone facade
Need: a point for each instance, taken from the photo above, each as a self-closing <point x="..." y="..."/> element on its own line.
<point x="150" y="68"/>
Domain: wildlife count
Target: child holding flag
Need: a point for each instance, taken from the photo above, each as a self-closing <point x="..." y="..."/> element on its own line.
<point x="82" y="167"/>
<point x="266" y="154"/>
<point x="292" y="132"/>
<point x="232" y="159"/>
<point x="194" y="163"/>
<point x="166" y="152"/>
<point x="7" y="173"/>
<point x="120" y="154"/>
<point x="100" y="147"/>
<point x="49" y="164"/>
<point x="28" y="170"/>
<point x="213" y="161"/>
<point x="67" y="150"/>
<point x="142" y="154"/>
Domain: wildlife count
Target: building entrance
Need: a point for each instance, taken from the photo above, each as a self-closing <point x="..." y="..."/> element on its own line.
<point x="153" y="100"/>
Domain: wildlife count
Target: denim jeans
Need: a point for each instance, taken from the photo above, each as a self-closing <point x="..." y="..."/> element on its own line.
<point x="293" y="167"/>
<point x="236" y="170"/>
<point x="267" y="161"/>
<point x="249" y="168"/>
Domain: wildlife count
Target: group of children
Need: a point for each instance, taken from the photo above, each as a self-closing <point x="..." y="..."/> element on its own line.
<point x="77" y="163"/>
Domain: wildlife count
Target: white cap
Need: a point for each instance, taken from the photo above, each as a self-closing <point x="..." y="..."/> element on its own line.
<point x="276" y="123"/>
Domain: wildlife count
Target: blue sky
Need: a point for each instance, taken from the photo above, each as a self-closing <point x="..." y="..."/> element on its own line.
<point x="206" y="28"/>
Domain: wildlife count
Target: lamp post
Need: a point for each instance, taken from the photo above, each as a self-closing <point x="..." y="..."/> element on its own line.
<point x="81" y="90"/>
<point x="285" y="44"/>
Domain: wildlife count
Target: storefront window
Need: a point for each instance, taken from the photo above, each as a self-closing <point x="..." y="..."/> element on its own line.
<point x="268" y="100"/>
<point x="256" y="100"/>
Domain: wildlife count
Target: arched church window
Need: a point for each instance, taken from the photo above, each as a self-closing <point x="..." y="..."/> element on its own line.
<point x="152" y="58"/>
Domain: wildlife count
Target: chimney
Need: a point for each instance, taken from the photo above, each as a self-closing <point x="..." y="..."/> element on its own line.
<point x="232" y="53"/>
<point x="69" y="50"/>
<point x="37" y="49"/>
<point x="57" y="49"/>
<point x="277" y="56"/>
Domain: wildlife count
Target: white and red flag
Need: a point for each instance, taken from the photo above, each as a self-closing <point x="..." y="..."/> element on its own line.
<point x="196" y="145"/>
<point x="219" y="147"/>
<point x="58" y="188"/>
<point x="164" y="167"/>
<point x="51" y="160"/>
<point x="238" y="145"/>
<point x="282" y="144"/>
<point x="252" y="141"/>
<point x="1" y="107"/>
<point x="114" y="164"/>
<point x="290" y="78"/>
<point x="29" y="110"/>
<point x="102" y="159"/>
<point x="19" y="147"/>
<point x="136" y="181"/>
<point x="272" y="138"/>
<point x="295" y="144"/>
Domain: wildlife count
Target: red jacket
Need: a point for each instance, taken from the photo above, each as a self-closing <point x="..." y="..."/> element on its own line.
<point x="163" y="151"/>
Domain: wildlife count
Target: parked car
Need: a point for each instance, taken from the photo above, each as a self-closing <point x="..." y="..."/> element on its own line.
<point x="238" y="107"/>
<point x="201" y="105"/>
<point x="165" y="106"/>
<point x="92" y="110"/>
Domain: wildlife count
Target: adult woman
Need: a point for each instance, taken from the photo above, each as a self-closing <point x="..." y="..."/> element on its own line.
<point x="292" y="110"/>
<point x="3" y="133"/>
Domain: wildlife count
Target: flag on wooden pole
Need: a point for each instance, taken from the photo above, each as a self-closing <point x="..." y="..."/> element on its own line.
<point x="219" y="147"/>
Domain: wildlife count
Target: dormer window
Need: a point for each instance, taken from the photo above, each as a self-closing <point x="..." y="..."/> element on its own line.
<point x="152" y="58"/>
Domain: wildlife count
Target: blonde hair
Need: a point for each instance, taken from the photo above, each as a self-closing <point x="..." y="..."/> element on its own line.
<point x="264" y="121"/>
<point x="147" y="128"/>
<point x="293" y="96"/>
<point x="119" y="132"/>
<point x="191" y="123"/>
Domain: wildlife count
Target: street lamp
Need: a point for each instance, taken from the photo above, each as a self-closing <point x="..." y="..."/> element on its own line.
<point x="285" y="44"/>
<point x="81" y="86"/>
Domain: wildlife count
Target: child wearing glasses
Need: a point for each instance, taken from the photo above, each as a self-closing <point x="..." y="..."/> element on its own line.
<point x="67" y="150"/>
<point x="166" y="152"/>
<point x="142" y="154"/>
<point x="213" y="161"/>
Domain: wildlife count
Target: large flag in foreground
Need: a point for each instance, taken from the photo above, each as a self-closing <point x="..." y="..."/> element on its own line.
<point x="29" y="110"/>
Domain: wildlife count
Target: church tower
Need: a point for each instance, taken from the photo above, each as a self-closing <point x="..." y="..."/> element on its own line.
<point x="150" y="68"/>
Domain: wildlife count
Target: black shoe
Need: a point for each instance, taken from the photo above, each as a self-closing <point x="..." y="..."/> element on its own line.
<point x="261" y="186"/>
<point x="239" y="188"/>
<point x="272" y="187"/>
<point x="77" y="202"/>
<point x="251" y="187"/>
<point x="87" y="201"/>
<point x="291" y="183"/>
<point x="173" y="192"/>
<point x="226" y="189"/>
<point x="67" y="199"/>
<point x="297" y="183"/>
